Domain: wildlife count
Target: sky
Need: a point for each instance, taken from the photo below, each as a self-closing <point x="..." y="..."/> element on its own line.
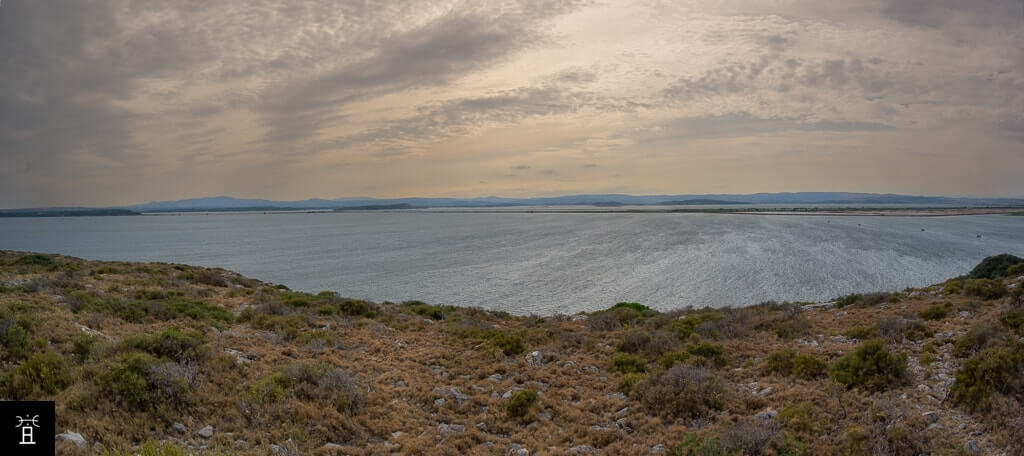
<point x="111" y="102"/>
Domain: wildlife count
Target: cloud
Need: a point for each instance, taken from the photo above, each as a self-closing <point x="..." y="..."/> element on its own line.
<point x="111" y="101"/>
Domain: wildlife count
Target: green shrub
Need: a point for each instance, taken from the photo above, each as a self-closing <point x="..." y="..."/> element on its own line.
<point x="976" y="339"/>
<point x="628" y="381"/>
<point x="687" y="326"/>
<point x="426" y="310"/>
<point x="861" y="333"/>
<point x="520" y="402"/>
<point x="1014" y="320"/>
<point x="626" y="363"/>
<point x="41" y="374"/>
<point x="954" y="286"/>
<point x="170" y="307"/>
<point x="204" y="277"/>
<point x="791" y="328"/>
<point x="672" y="359"/>
<point x="126" y="378"/>
<point x="848" y="300"/>
<point x="1015" y="270"/>
<point x="1017" y="297"/>
<point x="935" y="312"/>
<point x="985" y="289"/>
<point x="865" y="299"/>
<point x="651" y="344"/>
<point x="35" y="259"/>
<point x="896" y="329"/>
<point x="510" y="344"/>
<point x="800" y="417"/>
<point x="269" y="389"/>
<point x="290" y="327"/>
<point x="995" y="369"/>
<point x="172" y="344"/>
<point x="789" y="363"/>
<point x="83" y="346"/>
<point x="15" y="334"/>
<point x="635" y="306"/>
<point x="871" y="367"/>
<point x="995" y="266"/>
<point x="709" y="351"/>
<point x="779" y="362"/>
<point x="318" y="383"/>
<point x="682" y="391"/>
<point x="808" y="367"/>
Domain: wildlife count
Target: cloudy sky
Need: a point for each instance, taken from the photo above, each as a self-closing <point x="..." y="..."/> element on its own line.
<point x="108" y="102"/>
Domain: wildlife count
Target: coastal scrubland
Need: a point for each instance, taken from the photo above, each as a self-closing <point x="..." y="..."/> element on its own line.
<point x="168" y="359"/>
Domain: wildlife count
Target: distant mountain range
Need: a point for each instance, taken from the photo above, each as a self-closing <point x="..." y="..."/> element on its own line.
<point x="225" y="203"/>
<point x="228" y="203"/>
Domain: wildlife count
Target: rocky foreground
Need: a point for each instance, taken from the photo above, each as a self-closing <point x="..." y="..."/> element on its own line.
<point x="165" y="359"/>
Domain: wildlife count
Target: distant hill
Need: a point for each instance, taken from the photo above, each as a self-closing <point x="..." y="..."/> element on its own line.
<point x="599" y="200"/>
<point x="64" y="212"/>
<point x="701" y="202"/>
<point x="227" y="203"/>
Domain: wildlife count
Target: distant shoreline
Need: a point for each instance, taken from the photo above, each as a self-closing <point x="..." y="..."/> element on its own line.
<point x="779" y="210"/>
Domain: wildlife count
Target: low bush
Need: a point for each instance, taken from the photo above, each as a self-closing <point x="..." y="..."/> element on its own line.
<point x="1014" y="320"/>
<point x="288" y="326"/>
<point x="986" y="289"/>
<point x="995" y="266"/>
<point x="427" y="310"/>
<point x="172" y="344"/>
<point x="682" y="391"/>
<point x="320" y="383"/>
<point x="977" y="339"/>
<point x="711" y="352"/>
<point x="802" y="417"/>
<point x="204" y="277"/>
<point x="685" y="327"/>
<point x="83" y="347"/>
<point x="520" y="402"/>
<point x="861" y="333"/>
<point x="789" y="363"/>
<point x="628" y="381"/>
<point x="510" y="344"/>
<point x="744" y="437"/>
<point x="15" y="335"/>
<point x="871" y="367"/>
<point x="792" y="328"/>
<point x="127" y="380"/>
<point x="626" y="363"/>
<point x="650" y="344"/>
<point x="603" y="321"/>
<point x="730" y="323"/>
<point x="896" y="329"/>
<point x="865" y="299"/>
<point x="934" y="312"/>
<point x="995" y="369"/>
<point x="809" y="367"/>
<point x="672" y="359"/>
<point x="40" y="375"/>
<point x="171" y="307"/>
<point x="36" y="260"/>
<point x="634" y="306"/>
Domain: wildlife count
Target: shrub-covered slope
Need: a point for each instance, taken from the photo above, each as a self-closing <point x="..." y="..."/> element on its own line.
<point x="165" y="359"/>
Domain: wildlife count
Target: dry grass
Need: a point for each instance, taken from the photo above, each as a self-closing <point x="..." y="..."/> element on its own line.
<point x="267" y="367"/>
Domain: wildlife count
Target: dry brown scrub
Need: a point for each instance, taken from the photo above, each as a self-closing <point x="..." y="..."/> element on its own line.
<point x="317" y="374"/>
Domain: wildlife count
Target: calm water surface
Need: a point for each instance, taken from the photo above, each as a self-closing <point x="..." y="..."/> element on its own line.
<point x="546" y="263"/>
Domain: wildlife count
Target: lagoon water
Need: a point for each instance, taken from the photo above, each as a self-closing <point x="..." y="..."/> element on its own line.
<point x="546" y="263"/>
